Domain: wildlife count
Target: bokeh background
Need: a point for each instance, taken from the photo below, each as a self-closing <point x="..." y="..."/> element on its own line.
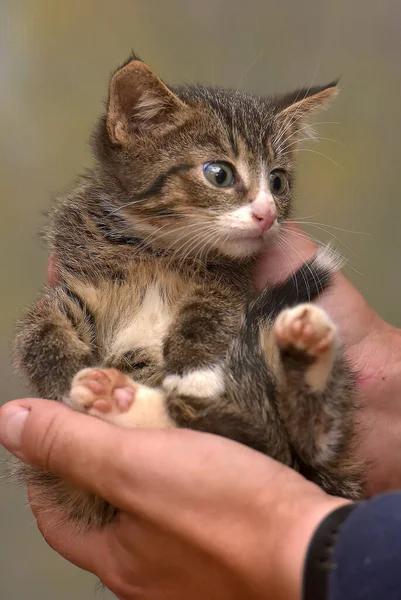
<point x="55" y="60"/>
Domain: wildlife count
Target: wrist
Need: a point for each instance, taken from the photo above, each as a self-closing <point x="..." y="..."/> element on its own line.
<point x="304" y="518"/>
<point x="320" y="561"/>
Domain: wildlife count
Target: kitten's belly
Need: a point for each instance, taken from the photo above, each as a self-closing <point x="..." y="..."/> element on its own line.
<point x="135" y="315"/>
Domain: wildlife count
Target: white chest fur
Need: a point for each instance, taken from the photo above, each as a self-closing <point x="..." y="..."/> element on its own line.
<point x="144" y="328"/>
<point x="135" y="315"/>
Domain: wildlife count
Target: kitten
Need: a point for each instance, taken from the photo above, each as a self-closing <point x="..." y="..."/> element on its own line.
<point x="154" y="320"/>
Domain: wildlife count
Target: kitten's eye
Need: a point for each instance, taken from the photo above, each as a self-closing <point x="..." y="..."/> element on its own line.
<point x="278" y="182"/>
<point x="219" y="174"/>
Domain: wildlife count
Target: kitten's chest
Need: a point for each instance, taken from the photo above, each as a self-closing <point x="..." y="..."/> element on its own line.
<point x="134" y="317"/>
<point x="141" y="328"/>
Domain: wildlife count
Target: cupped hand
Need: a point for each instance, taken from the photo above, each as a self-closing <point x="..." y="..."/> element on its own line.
<point x="200" y="516"/>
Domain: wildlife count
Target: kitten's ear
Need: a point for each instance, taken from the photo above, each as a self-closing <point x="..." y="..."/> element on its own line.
<point x="138" y="99"/>
<point x="294" y="110"/>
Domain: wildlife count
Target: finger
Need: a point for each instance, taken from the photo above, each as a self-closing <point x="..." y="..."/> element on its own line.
<point x="141" y="471"/>
<point x="94" y="455"/>
<point x="281" y="259"/>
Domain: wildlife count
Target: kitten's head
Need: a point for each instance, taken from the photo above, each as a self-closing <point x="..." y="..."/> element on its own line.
<point x="200" y="169"/>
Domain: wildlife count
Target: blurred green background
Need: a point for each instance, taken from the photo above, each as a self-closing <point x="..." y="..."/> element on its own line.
<point x="55" y="60"/>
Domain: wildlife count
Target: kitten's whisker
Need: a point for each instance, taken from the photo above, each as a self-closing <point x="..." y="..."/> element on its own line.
<point x="129" y="229"/>
<point x="203" y="246"/>
<point x="310" y="128"/>
<point x="325" y="123"/>
<point x="291" y="270"/>
<point x="184" y="227"/>
<point x="300" y="218"/>
<point x="180" y="251"/>
<point x="305" y="264"/>
<point x="308" y="139"/>
<point x="332" y="235"/>
<point x="192" y="239"/>
<point x="296" y="222"/>
<point x="304" y="235"/>
<point x="287" y="139"/>
<point x="112" y="212"/>
<point x="284" y="244"/>
<point x="201" y="240"/>
<point x="316" y="152"/>
<point x="294" y="119"/>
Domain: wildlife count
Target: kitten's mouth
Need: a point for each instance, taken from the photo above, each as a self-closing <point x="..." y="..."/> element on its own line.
<point x="247" y="242"/>
<point x="256" y="232"/>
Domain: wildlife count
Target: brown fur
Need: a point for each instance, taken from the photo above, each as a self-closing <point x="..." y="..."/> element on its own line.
<point x="148" y="285"/>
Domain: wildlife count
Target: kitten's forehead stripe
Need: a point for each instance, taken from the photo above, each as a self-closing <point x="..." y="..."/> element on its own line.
<point x="242" y="115"/>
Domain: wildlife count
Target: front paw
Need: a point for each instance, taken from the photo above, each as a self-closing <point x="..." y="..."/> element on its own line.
<point x="306" y="329"/>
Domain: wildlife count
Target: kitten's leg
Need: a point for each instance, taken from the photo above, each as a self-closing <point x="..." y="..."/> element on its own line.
<point x="308" y="344"/>
<point x="195" y="352"/>
<point x="316" y="399"/>
<point x="54" y="341"/>
<point x="112" y="396"/>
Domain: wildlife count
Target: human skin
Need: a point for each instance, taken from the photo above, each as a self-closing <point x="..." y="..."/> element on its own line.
<point x="201" y="516"/>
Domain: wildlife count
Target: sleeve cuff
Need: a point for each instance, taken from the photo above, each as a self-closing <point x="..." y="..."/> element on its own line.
<point x="318" y="561"/>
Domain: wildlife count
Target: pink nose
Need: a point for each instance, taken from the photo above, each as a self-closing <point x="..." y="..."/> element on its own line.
<point x="264" y="215"/>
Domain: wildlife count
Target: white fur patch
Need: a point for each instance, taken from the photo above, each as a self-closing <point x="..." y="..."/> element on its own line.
<point x="147" y="327"/>
<point x="329" y="258"/>
<point x="201" y="383"/>
<point x="149" y="410"/>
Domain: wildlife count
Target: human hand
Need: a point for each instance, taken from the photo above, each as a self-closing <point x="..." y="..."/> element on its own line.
<point x="373" y="348"/>
<point x="200" y="516"/>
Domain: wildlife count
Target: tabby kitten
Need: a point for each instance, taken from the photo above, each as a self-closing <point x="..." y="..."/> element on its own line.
<point x="154" y="321"/>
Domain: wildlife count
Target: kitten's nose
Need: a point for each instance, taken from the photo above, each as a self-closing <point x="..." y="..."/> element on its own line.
<point x="264" y="212"/>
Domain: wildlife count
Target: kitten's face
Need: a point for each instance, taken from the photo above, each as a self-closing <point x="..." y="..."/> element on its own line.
<point x="203" y="170"/>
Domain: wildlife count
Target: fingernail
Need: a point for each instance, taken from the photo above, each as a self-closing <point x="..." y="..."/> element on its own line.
<point x="12" y="421"/>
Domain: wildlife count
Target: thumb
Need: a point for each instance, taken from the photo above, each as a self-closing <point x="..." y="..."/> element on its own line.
<point x="84" y="450"/>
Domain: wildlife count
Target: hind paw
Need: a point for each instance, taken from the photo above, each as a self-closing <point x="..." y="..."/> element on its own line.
<point x="112" y="396"/>
<point x="102" y="391"/>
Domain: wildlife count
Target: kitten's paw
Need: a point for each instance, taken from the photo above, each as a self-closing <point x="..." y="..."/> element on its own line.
<point x="305" y="328"/>
<point x="102" y="391"/>
<point x="112" y="396"/>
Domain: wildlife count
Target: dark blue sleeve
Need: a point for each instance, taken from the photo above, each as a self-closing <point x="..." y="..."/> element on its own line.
<point x="367" y="555"/>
